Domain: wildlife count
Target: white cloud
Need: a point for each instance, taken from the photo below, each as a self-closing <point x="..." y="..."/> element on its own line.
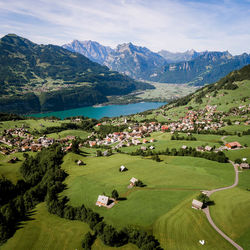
<point x="172" y="25"/>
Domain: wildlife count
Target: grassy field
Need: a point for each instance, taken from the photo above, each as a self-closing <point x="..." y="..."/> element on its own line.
<point x="231" y="214"/>
<point x="30" y="124"/>
<point x="238" y="154"/>
<point x="47" y="231"/>
<point x="163" y="140"/>
<point x="11" y="170"/>
<point x="242" y="140"/>
<point x="183" y="227"/>
<point x="167" y="91"/>
<point x="78" y="133"/>
<point x="168" y="183"/>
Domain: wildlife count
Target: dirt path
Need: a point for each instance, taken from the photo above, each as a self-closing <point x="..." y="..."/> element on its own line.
<point x="207" y="212"/>
<point x="223" y="139"/>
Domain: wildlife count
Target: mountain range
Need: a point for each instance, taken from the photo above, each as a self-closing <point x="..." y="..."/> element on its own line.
<point x="39" y="78"/>
<point x="196" y="68"/>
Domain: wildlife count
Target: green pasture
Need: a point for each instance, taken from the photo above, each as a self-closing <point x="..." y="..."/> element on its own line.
<point x="238" y="154"/>
<point x="47" y="231"/>
<point x="11" y="170"/>
<point x="235" y="128"/>
<point x="163" y="141"/>
<point x="168" y="183"/>
<point x="30" y="124"/>
<point x="183" y="227"/>
<point x="73" y="132"/>
<point x="245" y="139"/>
<point x="231" y="214"/>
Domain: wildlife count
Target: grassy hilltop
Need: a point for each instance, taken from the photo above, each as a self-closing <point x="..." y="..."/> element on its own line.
<point x="162" y="208"/>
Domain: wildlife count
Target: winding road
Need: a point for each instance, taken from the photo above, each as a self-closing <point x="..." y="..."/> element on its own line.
<point x="207" y="212"/>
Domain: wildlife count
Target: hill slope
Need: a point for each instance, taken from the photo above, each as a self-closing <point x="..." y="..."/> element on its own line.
<point x="36" y="78"/>
<point x="206" y="68"/>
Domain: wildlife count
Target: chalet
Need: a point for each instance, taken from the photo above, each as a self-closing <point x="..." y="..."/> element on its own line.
<point x="232" y="145"/>
<point x="152" y="140"/>
<point x="151" y="147"/>
<point x="197" y="204"/>
<point x="143" y="148"/>
<point x="145" y="141"/>
<point x="102" y="200"/>
<point x="133" y="181"/>
<point x="184" y="147"/>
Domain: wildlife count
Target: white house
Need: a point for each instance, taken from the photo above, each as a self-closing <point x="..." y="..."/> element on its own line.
<point x="102" y="200"/>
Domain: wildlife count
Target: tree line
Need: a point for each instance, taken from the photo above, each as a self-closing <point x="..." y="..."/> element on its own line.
<point x="189" y="151"/>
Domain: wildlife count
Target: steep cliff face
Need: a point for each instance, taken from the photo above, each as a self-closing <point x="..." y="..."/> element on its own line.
<point x="134" y="61"/>
<point x="179" y="56"/>
<point x="91" y="49"/>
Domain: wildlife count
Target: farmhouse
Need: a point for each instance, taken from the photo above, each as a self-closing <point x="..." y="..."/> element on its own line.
<point x="232" y="145"/>
<point x="197" y="204"/>
<point x="102" y="200"/>
<point x="133" y="181"/>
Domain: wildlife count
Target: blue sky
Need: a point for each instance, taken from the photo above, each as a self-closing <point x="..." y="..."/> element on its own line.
<point x="175" y="25"/>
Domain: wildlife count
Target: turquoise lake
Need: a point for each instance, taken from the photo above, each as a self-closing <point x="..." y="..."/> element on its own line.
<point x="104" y="111"/>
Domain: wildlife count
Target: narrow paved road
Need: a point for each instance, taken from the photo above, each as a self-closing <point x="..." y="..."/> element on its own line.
<point x="223" y="139"/>
<point x="207" y="212"/>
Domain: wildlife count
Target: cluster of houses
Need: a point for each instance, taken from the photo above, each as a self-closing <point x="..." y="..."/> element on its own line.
<point x="20" y="140"/>
<point x="126" y="139"/>
<point x="200" y="120"/>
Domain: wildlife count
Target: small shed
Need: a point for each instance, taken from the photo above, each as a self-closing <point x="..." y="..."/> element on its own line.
<point x="79" y="162"/>
<point x="102" y="200"/>
<point x="133" y="181"/>
<point x="122" y="168"/>
<point x="197" y="204"/>
<point x="208" y="148"/>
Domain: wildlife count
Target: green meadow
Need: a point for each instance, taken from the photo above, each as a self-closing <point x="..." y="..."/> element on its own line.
<point x="231" y="211"/>
<point x="167" y="183"/>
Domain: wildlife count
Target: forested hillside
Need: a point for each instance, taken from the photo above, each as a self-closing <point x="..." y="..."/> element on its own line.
<point x="36" y="78"/>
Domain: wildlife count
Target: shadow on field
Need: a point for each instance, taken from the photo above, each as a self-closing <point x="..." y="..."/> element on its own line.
<point x="83" y="153"/>
<point x="26" y="218"/>
<point x="122" y="199"/>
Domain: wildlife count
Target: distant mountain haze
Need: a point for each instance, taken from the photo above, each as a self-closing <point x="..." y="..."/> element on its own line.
<point x="196" y="68"/>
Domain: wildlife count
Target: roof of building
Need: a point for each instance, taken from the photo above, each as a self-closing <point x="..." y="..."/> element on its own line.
<point x="234" y="144"/>
<point x="197" y="203"/>
<point x="103" y="199"/>
<point x="133" y="180"/>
